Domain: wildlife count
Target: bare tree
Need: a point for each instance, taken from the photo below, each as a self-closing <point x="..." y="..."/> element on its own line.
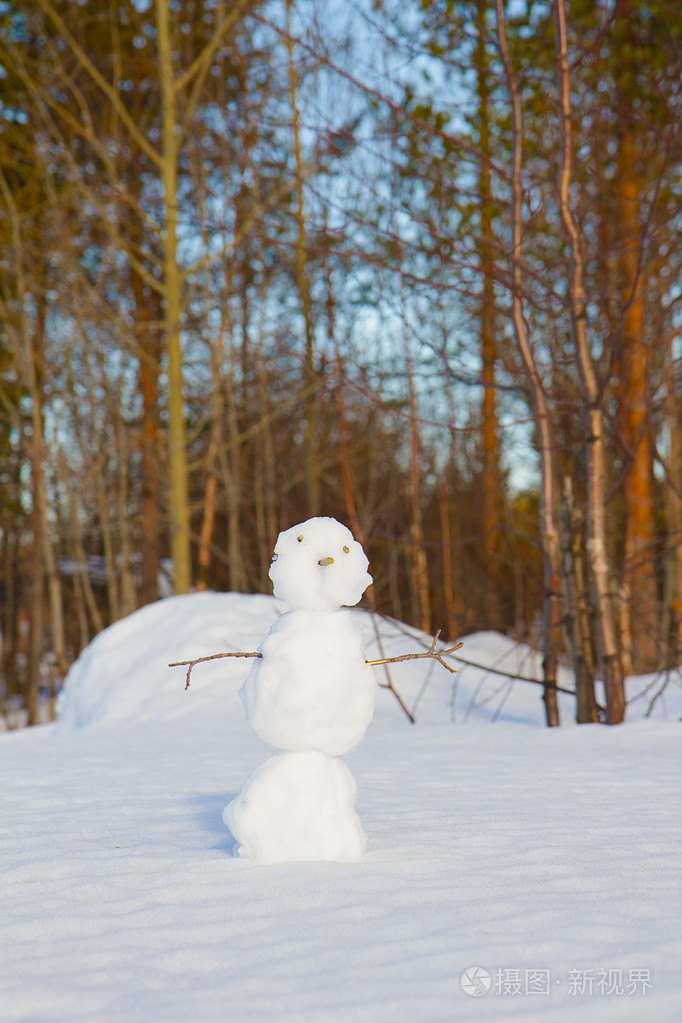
<point x="541" y="414"/>
<point x="27" y="333"/>
<point x="591" y="397"/>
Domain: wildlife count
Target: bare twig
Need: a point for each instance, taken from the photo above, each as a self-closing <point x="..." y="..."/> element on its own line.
<point x="388" y="684"/>
<point x="437" y="655"/>
<point x="431" y="652"/>
<point x="212" y="657"/>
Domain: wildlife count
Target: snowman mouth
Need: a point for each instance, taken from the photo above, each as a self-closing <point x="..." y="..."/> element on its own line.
<point x="323" y="562"/>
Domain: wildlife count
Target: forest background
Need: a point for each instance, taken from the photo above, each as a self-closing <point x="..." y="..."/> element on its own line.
<point x="414" y="265"/>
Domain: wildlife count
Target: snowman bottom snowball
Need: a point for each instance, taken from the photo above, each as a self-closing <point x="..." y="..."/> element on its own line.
<point x="297" y="806"/>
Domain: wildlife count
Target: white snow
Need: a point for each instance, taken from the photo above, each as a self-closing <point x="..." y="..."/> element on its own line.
<point x="548" y="858"/>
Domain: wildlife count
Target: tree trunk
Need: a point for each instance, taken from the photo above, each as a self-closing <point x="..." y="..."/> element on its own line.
<point x="214" y="446"/>
<point x="147" y="317"/>
<point x="673" y="562"/>
<point x="303" y="284"/>
<point x="36" y="614"/>
<point x="640" y="529"/>
<point x="594" y="420"/>
<point x="8" y="659"/>
<point x="268" y="530"/>
<point x="578" y="606"/>
<point x="490" y="477"/>
<point x="125" y="560"/>
<point x="451" y="609"/>
<point x="206" y="532"/>
<point x="419" y="567"/>
<point x="548" y="528"/>
<point x="232" y="475"/>
<point x="172" y="307"/>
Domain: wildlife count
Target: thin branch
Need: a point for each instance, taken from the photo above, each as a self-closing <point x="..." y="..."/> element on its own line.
<point x="109" y="91"/>
<point x="437" y="655"/>
<point x="515" y="677"/>
<point x="389" y="680"/>
<point x="202" y="62"/>
<point x="211" y="657"/>
<point x="431" y="652"/>
<point x="401" y="703"/>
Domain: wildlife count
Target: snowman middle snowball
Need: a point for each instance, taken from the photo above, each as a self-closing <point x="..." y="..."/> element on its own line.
<point x="311" y="688"/>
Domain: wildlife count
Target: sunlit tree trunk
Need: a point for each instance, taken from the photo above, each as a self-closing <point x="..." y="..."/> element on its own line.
<point x="172" y="306"/>
<point x="548" y="526"/>
<point x="673" y="563"/>
<point x="594" y="419"/>
<point x="640" y="530"/>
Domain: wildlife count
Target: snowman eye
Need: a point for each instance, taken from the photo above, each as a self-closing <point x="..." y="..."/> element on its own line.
<point x="346" y="550"/>
<point x="299" y="538"/>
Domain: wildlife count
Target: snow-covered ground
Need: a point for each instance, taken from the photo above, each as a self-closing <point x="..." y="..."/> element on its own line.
<point x="545" y="863"/>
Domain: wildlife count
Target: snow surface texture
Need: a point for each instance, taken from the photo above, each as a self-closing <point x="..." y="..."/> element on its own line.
<point x="549" y="858"/>
<point x="310" y="692"/>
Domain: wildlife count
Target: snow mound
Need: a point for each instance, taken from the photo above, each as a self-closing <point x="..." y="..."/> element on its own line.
<point x="124" y="674"/>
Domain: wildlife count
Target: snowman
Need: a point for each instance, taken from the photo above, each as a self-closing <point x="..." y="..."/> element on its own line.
<point x="311" y="695"/>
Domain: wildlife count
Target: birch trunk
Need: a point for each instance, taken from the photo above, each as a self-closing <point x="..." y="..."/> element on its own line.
<point x="594" y="420"/>
<point x="548" y="527"/>
<point x="673" y="581"/>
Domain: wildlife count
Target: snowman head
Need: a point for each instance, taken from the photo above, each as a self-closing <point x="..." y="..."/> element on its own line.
<point x="318" y="566"/>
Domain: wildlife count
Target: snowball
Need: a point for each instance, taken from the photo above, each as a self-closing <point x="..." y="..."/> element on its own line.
<point x="297" y="806"/>
<point x="311" y="688"/>
<point x="318" y="566"/>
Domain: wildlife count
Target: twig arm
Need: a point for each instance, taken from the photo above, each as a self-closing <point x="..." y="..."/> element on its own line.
<point x="211" y="657"/>
<point x="437" y="655"/>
